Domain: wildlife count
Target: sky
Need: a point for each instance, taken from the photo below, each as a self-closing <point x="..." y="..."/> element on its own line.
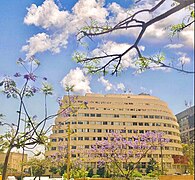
<point x="47" y="30"/>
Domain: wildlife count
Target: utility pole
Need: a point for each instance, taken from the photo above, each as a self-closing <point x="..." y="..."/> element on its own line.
<point x="68" y="153"/>
<point x="162" y="168"/>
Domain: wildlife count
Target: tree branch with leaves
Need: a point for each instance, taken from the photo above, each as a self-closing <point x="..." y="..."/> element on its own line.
<point x="112" y="62"/>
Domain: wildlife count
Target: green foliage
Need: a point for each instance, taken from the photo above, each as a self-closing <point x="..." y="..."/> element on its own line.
<point x="77" y="173"/>
<point x="47" y="89"/>
<point x="38" y="166"/>
<point x="136" y="174"/>
<point x="101" y="171"/>
<point x="152" y="164"/>
<point x="96" y="176"/>
<point x="192" y="14"/>
<point x="90" y="172"/>
<point x="175" y="29"/>
<point x="78" y="57"/>
<point x="188" y="151"/>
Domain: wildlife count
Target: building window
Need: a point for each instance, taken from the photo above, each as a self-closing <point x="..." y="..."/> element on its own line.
<point x="86" y="146"/>
<point x="141" y="131"/>
<point x="61" y="131"/>
<point x="80" y="138"/>
<point x="99" y="130"/>
<point x="60" y="139"/>
<point x="98" y="115"/>
<point x="134" y="124"/>
<point x="74" y="147"/>
<point x="54" y="140"/>
<point x="146" y="124"/>
<point x="134" y="116"/>
<point x="105" y="123"/>
<point x="92" y="115"/>
<point x="116" y="116"/>
<point x="53" y="148"/>
<point x="140" y="124"/>
<point x="86" y="115"/>
<point x="129" y="131"/>
<point x="86" y="138"/>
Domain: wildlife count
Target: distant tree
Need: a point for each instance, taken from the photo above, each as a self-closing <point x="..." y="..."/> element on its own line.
<point x="111" y="62"/>
<point x="188" y="151"/>
<point x="38" y="167"/>
<point x="152" y="164"/>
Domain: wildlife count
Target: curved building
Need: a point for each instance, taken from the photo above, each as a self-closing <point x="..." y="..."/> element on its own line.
<point x="124" y="113"/>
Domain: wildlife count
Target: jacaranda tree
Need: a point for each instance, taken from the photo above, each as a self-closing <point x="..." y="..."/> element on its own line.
<point x="27" y="130"/>
<point x="117" y="153"/>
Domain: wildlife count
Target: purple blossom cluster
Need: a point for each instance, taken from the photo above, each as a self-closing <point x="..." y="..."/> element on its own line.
<point x="115" y="147"/>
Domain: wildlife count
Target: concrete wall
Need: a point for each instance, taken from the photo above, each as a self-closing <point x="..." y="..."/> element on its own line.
<point x="177" y="177"/>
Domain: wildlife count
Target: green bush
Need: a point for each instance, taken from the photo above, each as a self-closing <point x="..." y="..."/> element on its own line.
<point x="95" y="176"/>
<point x="136" y="174"/>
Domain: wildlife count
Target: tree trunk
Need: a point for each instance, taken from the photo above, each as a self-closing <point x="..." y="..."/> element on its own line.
<point x="4" y="173"/>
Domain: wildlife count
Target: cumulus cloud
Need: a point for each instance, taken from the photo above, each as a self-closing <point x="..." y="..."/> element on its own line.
<point x="108" y="86"/>
<point x="158" y="31"/>
<point x="60" y="24"/>
<point x="79" y="81"/>
<point x="42" y="42"/>
<point x="110" y="47"/>
<point x="145" y="90"/>
<point x="183" y="59"/>
<point x="47" y="15"/>
<point x="121" y="86"/>
<point x="174" y="46"/>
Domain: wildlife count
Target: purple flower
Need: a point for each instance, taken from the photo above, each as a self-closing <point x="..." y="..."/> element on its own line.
<point x="30" y="76"/>
<point x="34" y="89"/>
<point x="17" y="75"/>
<point x="85" y="102"/>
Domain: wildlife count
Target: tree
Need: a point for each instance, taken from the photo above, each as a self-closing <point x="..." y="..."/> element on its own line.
<point x="116" y="152"/>
<point x="38" y="167"/>
<point x="28" y="131"/>
<point x="152" y="165"/>
<point x="106" y="62"/>
<point x="188" y="151"/>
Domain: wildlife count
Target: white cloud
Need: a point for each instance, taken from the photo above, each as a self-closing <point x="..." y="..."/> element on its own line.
<point x="121" y="86"/>
<point x="144" y="90"/>
<point x="174" y="46"/>
<point x="108" y="86"/>
<point x="183" y="59"/>
<point x="117" y="48"/>
<point x="60" y="23"/>
<point x="42" y="42"/>
<point x="47" y="15"/>
<point x="79" y="80"/>
<point x="158" y="31"/>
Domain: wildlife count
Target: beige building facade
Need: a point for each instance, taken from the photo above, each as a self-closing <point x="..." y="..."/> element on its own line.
<point x="125" y="113"/>
<point x="14" y="163"/>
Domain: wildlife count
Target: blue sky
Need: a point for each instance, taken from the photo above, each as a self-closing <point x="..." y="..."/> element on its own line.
<point x="23" y="32"/>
